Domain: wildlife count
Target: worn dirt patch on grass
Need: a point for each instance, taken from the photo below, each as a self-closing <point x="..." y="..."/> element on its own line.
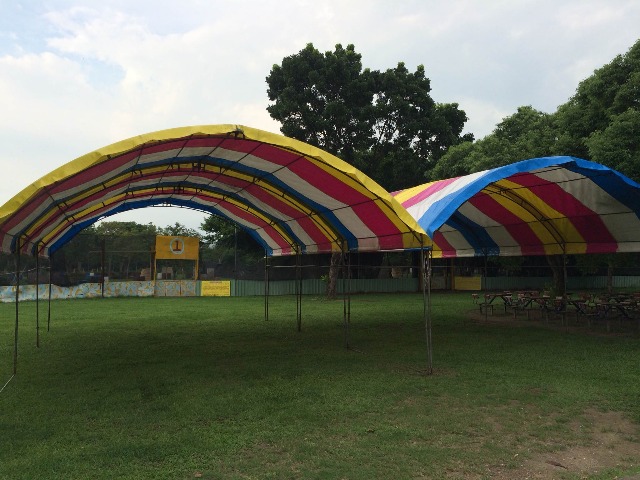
<point x="613" y="443"/>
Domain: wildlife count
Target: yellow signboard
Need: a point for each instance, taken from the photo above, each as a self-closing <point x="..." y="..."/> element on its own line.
<point x="176" y="248"/>
<point x="215" y="288"/>
<point x="468" y="283"/>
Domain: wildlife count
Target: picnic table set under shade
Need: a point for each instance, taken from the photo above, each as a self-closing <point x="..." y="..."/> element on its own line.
<point x="603" y="306"/>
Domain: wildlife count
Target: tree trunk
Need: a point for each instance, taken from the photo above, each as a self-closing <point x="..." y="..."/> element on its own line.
<point x="332" y="281"/>
<point x="557" y="268"/>
<point x="610" y="278"/>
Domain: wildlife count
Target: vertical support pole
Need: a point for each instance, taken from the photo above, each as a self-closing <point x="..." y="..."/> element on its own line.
<point x="235" y="252"/>
<point x="50" y="289"/>
<point x="425" y="274"/>
<point x="298" y="280"/>
<point x="565" y="317"/>
<point x="486" y="272"/>
<point x="564" y="272"/>
<point x="484" y="289"/>
<point x="349" y="288"/>
<point x="37" y="297"/>
<point x="346" y="299"/>
<point x="429" y="317"/>
<point x="266" y="286"/>
<point x="453" y="274"/>
<point x="15" y="338"/>
<point x="103" y="254"/>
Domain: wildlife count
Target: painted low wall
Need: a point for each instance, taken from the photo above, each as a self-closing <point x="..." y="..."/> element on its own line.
<point x="245" y="288"/>
<point x="84" y="290"/>
<point x="191" y="288"/>
<point x="176" y="288"/>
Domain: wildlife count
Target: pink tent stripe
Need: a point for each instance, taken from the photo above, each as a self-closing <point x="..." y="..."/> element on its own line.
<point x="427" y="192"/>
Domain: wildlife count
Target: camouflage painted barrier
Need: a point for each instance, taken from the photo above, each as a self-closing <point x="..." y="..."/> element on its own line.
<point x="84" y="290"/>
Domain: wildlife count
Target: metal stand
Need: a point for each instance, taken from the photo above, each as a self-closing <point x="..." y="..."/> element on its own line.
<point x="425" y="266"/>
<point x="37" y="298"/>
<point x="299" y="288"/>
<point x="103" y="249"/>
<point x="346" y="297"/>
<point x="50" y="288"/>
<point x="564" y="273"/>
<point x="266" y="286"/>
<point x="15" y="341"/>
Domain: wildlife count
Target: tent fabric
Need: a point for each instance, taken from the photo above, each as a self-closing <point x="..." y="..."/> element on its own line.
<point x="541" y="206"/>
<point x="290" y="196"/>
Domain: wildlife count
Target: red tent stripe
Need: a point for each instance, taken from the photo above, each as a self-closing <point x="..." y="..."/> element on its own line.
<point x="427" y="192"/>
<point x="557" y="198"/>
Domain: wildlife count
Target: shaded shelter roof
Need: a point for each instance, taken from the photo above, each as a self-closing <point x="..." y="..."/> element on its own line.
<point x="541" y="206"/>
<point x="288" y="195"/>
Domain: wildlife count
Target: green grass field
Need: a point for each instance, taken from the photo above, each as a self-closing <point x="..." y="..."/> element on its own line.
<point x="206" y="388"/>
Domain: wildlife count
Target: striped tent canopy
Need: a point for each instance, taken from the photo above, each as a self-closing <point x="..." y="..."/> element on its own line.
<point x="542" y="206"/>
<point x="291" y="197"/>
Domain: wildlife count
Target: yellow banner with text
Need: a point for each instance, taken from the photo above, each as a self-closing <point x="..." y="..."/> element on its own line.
<point x="215" y="288"/>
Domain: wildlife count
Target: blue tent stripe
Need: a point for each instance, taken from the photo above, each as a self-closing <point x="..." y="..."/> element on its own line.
<point x="474" y="234"/>
<point x="442" y="210"/>
<point x="621" y="188"/>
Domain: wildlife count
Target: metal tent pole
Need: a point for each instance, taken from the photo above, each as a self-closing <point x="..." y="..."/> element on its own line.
<point x="486" y="272"/>
<point x="15" y="340"/>
<point x="425" y="273"/>
<point x="429" y="317"/>
<point x="564" y="274"/>
<point x="349" y="288"/>
<point x="235" y="252"/>
<point x="103" y="250"/>
<point x="564" y="295"/>
<point x="484" y="289"/>
<point x="266" y="286"/>
<point x="50" y="288"/>
<point x="346" y="303"/>
<point x="298" y="289"/>
<point x="37" y="298"/>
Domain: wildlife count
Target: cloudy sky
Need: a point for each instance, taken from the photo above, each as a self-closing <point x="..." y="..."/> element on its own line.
<point x="76" y="75"/>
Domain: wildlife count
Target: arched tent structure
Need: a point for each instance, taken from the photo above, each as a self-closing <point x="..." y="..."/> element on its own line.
<point x="541" y="206"/>
<point x="291" y="197"/>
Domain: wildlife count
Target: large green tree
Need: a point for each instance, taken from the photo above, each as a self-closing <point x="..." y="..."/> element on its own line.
<point x="528" y="133"/>
<point x="601" y="121"/>
<point x="223" y="233"/>
<point x="123" y="229"/>
<point x="383" y="122"/>
<point x="178" y="229"/>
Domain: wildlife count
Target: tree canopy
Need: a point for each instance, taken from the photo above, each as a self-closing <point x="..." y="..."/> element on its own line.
<point x="383" y="122"/>
<point x="600" y="122"/>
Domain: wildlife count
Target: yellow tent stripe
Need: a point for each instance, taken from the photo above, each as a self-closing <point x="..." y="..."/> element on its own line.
<point x="334" y="165"/>
<point x="561" y="223"/>
<point x="405" y="195"/>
